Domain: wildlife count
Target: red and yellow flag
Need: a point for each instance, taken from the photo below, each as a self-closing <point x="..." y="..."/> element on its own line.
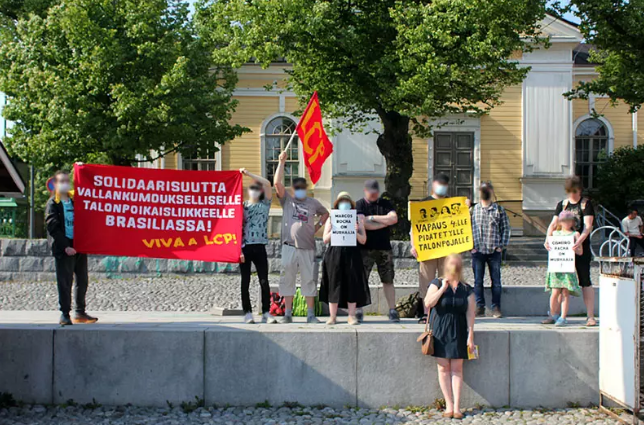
<point x="315" y="143"/>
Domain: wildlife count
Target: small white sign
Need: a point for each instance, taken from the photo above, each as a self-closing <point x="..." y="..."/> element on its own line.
<point x="561" y="257"/>
<point x="343" y="228"/>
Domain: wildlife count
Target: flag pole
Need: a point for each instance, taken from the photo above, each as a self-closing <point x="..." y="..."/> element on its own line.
<point x="288" y="145"/>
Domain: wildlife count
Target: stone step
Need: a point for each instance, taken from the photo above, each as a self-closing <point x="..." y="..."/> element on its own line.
<point x="529" y="300"/>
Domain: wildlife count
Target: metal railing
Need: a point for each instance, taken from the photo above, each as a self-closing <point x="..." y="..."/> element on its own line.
<point x="605" y="218"/>
<point x="613" y="242"/>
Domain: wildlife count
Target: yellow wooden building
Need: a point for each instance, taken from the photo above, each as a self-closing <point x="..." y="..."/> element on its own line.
<point x="527" y="146"/>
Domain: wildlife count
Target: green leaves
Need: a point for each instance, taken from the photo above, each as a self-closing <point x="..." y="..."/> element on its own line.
<point x="621" y="179"/>
<point x="616" y="29"/>
<point x="417" y="58"/>
<point x="110" y="80"/>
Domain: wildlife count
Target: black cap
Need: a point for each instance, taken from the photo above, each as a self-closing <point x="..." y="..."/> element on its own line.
<point x="441" y="178"/>
<point x="372" y="184"/>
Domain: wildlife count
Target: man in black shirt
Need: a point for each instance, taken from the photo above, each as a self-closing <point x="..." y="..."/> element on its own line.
<point x="584" y="213"/>
<point x="379" y="214"/>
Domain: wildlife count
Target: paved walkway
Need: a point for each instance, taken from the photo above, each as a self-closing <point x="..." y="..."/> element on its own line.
<point x="199" y="293"/>
<point x="267" y="415"/>
<point x="156" y="319"/>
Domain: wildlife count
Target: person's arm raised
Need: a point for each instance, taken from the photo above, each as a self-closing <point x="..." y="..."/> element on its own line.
<point x="268" y="190"/>
<point x="278" y="179"/>
<point x="434" y="293"/>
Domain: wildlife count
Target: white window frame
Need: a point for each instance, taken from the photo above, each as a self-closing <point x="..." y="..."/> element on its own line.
<point x="180" y="159"/>
<point x="262" y="135"/>
<point x="573" y="142"/>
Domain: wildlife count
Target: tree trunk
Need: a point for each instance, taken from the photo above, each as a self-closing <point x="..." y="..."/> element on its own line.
<point x="119" y="160"/>
<point x="395" y="145"/>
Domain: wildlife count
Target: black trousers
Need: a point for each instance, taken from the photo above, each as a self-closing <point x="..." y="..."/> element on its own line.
<point x="635" y="242"/>
<point x="255" y="254"/>
<point x="66" y="268"/>
<point x="582" y="265"/>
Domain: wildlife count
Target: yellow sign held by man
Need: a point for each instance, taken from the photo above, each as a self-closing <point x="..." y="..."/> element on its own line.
<point x="440" y="227"/>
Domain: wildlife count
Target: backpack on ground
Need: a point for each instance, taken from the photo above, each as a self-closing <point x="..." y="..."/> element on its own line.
<point x="407" y="306"/>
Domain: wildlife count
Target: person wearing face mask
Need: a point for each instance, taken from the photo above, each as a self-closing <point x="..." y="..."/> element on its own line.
<point x="298" y="241"/>
<point x="255" y="239"/>
<point x="429" y="269"/>
<point x="344" y="283"/>
<point x="59" y="217"/>
<point x="491" y="234"/>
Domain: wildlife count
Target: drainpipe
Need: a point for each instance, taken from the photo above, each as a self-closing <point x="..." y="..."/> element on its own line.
<point x="32" y="208"/>
<point x="634" y="118"/>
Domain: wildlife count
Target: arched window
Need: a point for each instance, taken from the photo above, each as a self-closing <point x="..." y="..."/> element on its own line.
<point x="276" y="136"/>
<point x="591" y="149"/>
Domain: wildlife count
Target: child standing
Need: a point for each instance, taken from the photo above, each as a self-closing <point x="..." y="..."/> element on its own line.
<point x="562" y="285"/>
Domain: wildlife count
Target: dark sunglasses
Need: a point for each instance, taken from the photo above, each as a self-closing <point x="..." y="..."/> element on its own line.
<point x="255" y="188"/>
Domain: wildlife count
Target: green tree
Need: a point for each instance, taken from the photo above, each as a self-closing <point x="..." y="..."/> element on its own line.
<point x="109" y="81"/>
<point x="406" y="62"/>
<point x="621" y="179"/>
<point x="12" y="10"/>
<point x="616" y="29"/>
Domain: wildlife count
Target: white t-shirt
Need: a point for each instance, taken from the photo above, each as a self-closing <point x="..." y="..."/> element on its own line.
<point x="632" y="227"/>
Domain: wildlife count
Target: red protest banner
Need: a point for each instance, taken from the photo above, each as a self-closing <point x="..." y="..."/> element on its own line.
<point x="315" y="143"/>
<point x="142" y="212"/>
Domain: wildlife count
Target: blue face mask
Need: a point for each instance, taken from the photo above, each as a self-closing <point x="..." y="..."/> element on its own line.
<point x="441" y="190"/>
<point x="344" y="206"/>
<point x="300" y="193"/>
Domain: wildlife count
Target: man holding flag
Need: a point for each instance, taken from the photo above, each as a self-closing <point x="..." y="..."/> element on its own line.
<point x="299" y="212"/>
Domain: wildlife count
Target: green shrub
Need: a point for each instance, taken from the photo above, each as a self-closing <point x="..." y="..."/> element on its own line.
<point x="621" y="179"/>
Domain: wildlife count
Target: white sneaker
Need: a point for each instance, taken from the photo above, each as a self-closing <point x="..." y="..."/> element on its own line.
<point x="268" y="318"/>
<point x="248" y="319"/>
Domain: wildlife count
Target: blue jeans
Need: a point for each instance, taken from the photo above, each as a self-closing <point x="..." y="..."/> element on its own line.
<point x="493" y="262"/>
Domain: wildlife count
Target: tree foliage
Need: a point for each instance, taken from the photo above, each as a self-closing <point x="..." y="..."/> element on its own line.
<point x="621" y="179"/>
<point x="407" y="62"/>
<point x="616" y="30"/>
<point x="107" y="81"/>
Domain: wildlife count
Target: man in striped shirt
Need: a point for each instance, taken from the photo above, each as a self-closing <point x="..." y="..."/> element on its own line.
<point x="491" y="233"/>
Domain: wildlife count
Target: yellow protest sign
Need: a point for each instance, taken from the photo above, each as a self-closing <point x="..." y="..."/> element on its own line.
<point x="440" y="227"/>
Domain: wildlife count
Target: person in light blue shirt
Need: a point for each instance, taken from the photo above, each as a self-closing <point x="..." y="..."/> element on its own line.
<point x="68" y="213"/>
<point x="255" y="229"/>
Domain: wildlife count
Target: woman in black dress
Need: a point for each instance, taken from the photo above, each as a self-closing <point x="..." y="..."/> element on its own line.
<point x="344" y="283"/>
<point x="453" y="309"/>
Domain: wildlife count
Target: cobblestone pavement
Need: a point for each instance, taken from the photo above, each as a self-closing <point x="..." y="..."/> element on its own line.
<point x="92" y="415"/>
<point x="194" y="292"/>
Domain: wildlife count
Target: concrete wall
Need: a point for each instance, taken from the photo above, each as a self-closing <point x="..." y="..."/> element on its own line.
<point x="516" y="301"/>
<point x="120" y="364"/>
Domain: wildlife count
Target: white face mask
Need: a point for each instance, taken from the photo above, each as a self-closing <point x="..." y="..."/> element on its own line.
<point x="441" y="190"/>
<point x="345" y="206"/>
<point x="254" y="194"/>
<point x="300" y="193"/>
<point x="63" y="187"/>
